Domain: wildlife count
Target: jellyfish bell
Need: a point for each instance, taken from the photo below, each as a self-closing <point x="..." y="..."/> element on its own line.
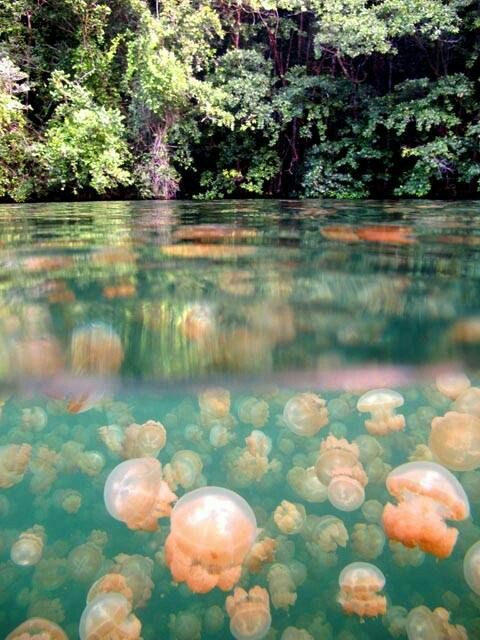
<point x="360" y="583"/>
<point x="346" y="493"/>
<point x="27" y="550"/>
<point x="37" y="628"/>
<point x="471" y="567"/>
<point x="305" y="414"/>
<point x="212" y="531"/>
<point x="455" y="441"/>
<point x="249" y="613"/>
<point x="135" y="493"/>
<point x="109" y="615"/>
<point x="423" y="624"/>
<point x="452" y="384"/>
<point x="427" y="495"/>
<point x="381" y="404"/>
<point x="468" y="402"/>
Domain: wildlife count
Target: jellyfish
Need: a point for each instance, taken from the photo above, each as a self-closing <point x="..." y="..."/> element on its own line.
<point x="323" y="536"/>
<point x="452" y="385"/>
<point x="262" y="552"/>
<point x="372" y="511"/>
<point x="50" y="574"/>
<point x="95" y="349"/>
<point x="214" y="619"/>
<point x="109" y="615"/>
<point x="86" y="560"/>
<point x="143" y="440"/>
<point x="113" y="436"/>
<point x="293" y="633"/>
<point x="305" y="414"/>
<point x="360" y="583"/>
<point x="468" y="402"/>
<point x="212" y="531"/>
<point x="214" y="404"/>
<point x="289" y="517"/>
<point x="395" y="621"/>
<point x="69" y="500"/>
<point x="44" y="467"/>
<point x="471" y="567"/>
<point x="455" y="441"/>
<point x="281" y="586"/>
<point x="14" y="459"/>
<point x="381" y="404"/>
<point x="339" y="468"/>
<point x="368" y="540"/>
<point x="91" y="463"/>
<point x="306" y="484"/>
<point x="244" y="468"/>
<point x="52" y="609"/>
<point x="137" y="570"/>
<point x="220" y="436"/>
<point x="185" y="469"/>
<point x="37" y="629"/>
<point x="185" y="625"/>
<point x="136" y="494"/>
<point x="254" y="412"/>
<point x="249" y="613"/>
<point x="34" y="419"/>
<point x="423" y="624"/>
<point x="406" y="556"/>
<point x="258" y="444"/>
<point x="110" y="582"/>
<point x="28" y="548"/>
<point x="427" y="495"/>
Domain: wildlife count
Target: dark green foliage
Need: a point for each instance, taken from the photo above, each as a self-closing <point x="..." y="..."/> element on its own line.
<point x="239" y="98"/>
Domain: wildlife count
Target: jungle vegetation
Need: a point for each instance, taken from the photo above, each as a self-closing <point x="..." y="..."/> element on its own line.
<point x="239" y="98"/>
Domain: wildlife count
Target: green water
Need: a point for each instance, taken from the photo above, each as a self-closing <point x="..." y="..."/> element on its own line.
<point x="266" y="300"/>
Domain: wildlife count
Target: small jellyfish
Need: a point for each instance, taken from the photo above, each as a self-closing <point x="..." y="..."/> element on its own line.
<point x="258" y="444"/>
<point x="323" y="536"/>
<point x="220" y="436"/>
<point x="249" y="613"/>
<point x="406" y="556"/>
<point x="68" y="499"/>
<point x="281" y="586"/>
<point x="471" y="567"/>
<point x="212" y="531"/>
<point x="360" y="583"/>
<point x="254" y="412"/>
<point x="143" y="440"/>
<point x="306" y="484"/>
<point x="85" y="561"/>
<point x="137" y="570"/>
<point x="427" y="495"/>
<point x="455" y="441"/>
<point x="452" y="385"/>
<point x="110" y="582"/>
<point x="289" y="517"/>
<point x="14" y="459"/>
<point x="28" y="548"/>
<point x="423" y="624"/>
<point x="185" y="625"/>
<point x="262" y="552"/>
<point x="293" y="633"/>
<point x="37" y="629"/>
<point x="214" y="619"/>
<point x="34" y="419"/>
<point x="372" y="511"/>
<point x="214" y="404"/>
<point x="368" y="540"/>
<point x="135" y="493"/>
<point x="381" y="404"/>
<point x="305" y="414"/>
<point x="95" y="349"/>
<point x="109" y="615"/>
<point x="395" y="621"/>
<point x="468" y="402"/>
<point x="185" y="469"/>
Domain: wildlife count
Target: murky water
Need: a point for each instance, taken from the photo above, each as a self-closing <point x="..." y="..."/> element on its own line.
<point x="215" y="320"/>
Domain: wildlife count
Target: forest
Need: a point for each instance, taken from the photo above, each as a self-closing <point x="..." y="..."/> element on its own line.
<point x="210" y="99"/>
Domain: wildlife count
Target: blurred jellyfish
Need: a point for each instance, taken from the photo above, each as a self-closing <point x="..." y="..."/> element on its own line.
<point x="184" y="469"/>
<point x="28" y="548"/>
<point x="185" y="625"/>
<point x="381" y="404"/>
<point x="44" y="468"/>
<point x="52" y="609"/>
<point x="90" y="463"/>
<point x="85" y="561"/>
<point x="372" y="511"/>
<point x="306" y="484"/>
<point x="406" y="556"/>
<point x="360" y="583"/>
<point x="220" y="436"/>
<point x="50" y="574"/>
<point x="258" y="444"/>
<point x="367" y="540"/>
<point x="281" y="586"/>
<point x="95" y="349"/>
<point x="427" y="495"/>
<point x="109" y="615"/>
<point x="198" y="323"/>
<point x="305" y="414"/>
<point x="135" y="493"/>
<point x="395" y="621"/>
<point x="110" y="582"/>
<point x="262" y="552"/>
<point x="452" y="385"/>
<point x="214" y="404"/>
<point x="293" y="633"/>
<point x="34" y="419"/>
<point x="249" y="613"/>
<point x="323" y="536"/>
<point x="137" y="570"/>
<point x="423" y="624"/>
<point x="212" y="531"/>
<point x="339" y="468"/>
<point x="468" y="402"/>
<point x="14" y="459"/>
<point x="289" y="517"/>
<point x="471" y="567"/>
<point x="113" y="436"/>
<point x="214" y="619"/>
<point x="455" y="441"/>
<point x="254" y="412"/>
<point x="143" y="440"/>
<point x="37" y="629"/>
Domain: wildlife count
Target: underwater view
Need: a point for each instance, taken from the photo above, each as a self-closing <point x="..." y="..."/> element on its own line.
<point x="243" y="419"/>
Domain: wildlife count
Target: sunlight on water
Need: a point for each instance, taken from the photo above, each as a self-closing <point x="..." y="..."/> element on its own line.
<point x="151" y="350"/>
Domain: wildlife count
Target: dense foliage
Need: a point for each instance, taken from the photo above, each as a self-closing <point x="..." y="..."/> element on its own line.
<point x="229" y="98"/>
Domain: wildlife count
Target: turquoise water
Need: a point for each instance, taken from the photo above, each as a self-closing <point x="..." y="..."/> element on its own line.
<point x="120" y="313"/>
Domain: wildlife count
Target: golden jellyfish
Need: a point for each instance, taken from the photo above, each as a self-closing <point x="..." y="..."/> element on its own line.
<point x="28" y="548"/>
<point x="254" y="411"/>
<point x="289" y="517"/>
<point x="249" y="613"/>
<point x="306" y="484"/>
<point x="323" y="536"/>
<point x="423" y="624"/>
<point x="51" y="609"/>
<point x="305" y="414"/>
<point x="262" y="552"/>
<point x="110" y="582"/>
<point x="137" y="570"/>
<point x="69" y="500"/>
<point x="37" y="629"/>
<point x="113" y="436"/>
<point x="372" y="511"/>
<point x="281" y="586"/>
<point x="214" y="404"/>
<point x="85" y="561"/>
<point x="95" y="349"/>
<point x="427" y="495"/>
<point x="184" y="469"/>
<point x="220" y="436"/>
<point x="144" y="440"/>
<point x="136" y="493"/>
<point x="360" y="584"/>
<point x="185" y="625"/>
<point x="367" y="540"/>
<point x="395" y="620"/>
<point x="339" y="468"/>
<point x="212" y="531"/>
<point x="468" y="402"/>
<point x="452" y="385"/>
<point x="14" y="459"/>
<point x="406" y="556"/>
<point x="471" y="567"/>
<point x="214" y="619"/>
<point x="455" y="441"/>
<point x="34" y="419"/>
<point x="381" y="404"/>
<point x="293" y="633"/>
<point x="109" y="617"/>
<point x="258" y="444"/>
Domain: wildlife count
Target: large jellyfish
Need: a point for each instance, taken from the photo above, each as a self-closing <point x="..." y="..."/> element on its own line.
<point x="136" y="494"/>
<point x="360" y="583"/>
<point x="455" y="441"/>
<point x="305" y="414"/>
<point x="109" y="617"/>
<point x="381" y="404"/>
<point x="212" y="531"/>
<point x="423" y="624"/>
<point x="427" y="495"/>
<point x="37" y="629"/>
<point x="249" y="613"/>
